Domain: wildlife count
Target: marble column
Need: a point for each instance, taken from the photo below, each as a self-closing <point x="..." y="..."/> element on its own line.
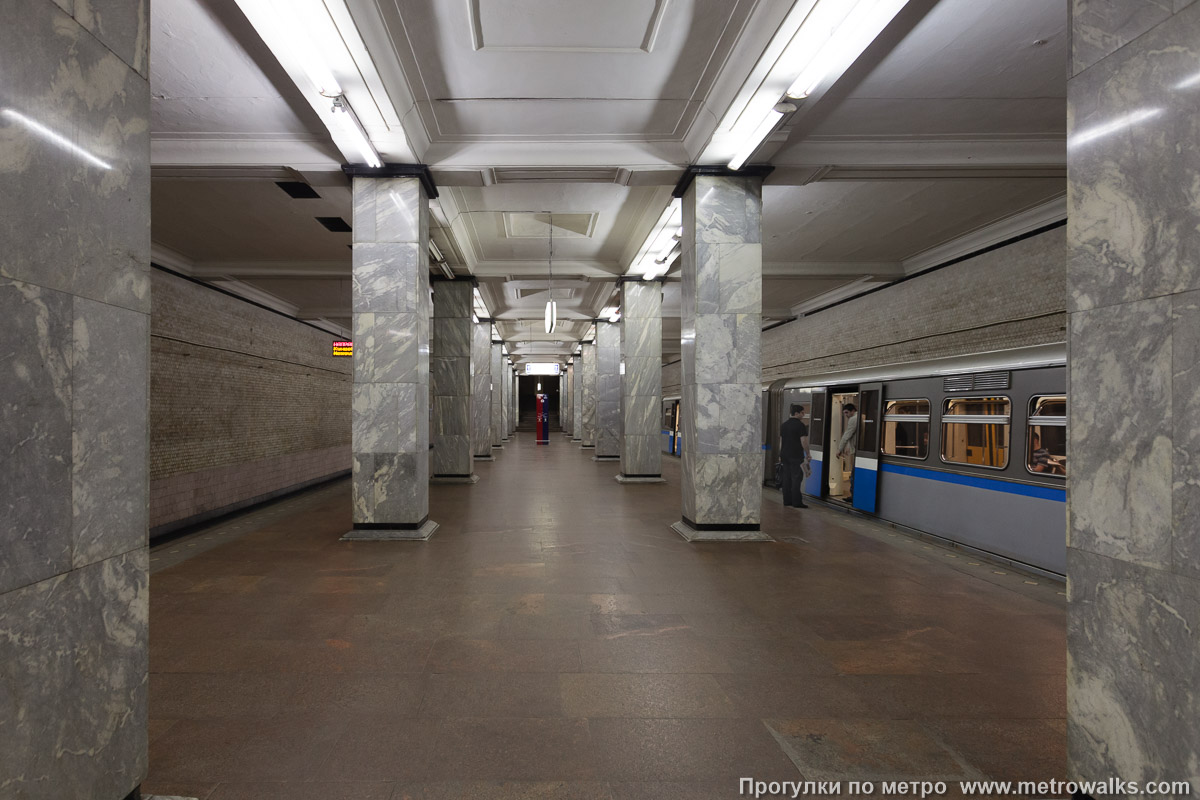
<point x="481" y="390"/>
<point x="721" y="366"/>
<point x="577" y="399"/>
<point x="451" y="379"/>
<point x="506" y="413"/>
<point x="608" y="391"/>
<point x="641" y="385"/>
<point x="1133" y="296"/>
<point x="569" y="402"/>
<point x="499" y="391"/>
<point x="516" y="402"/>
<point x="74" y="388"/>
<point x="390" y="407"/>
<point x="588" y="398"/>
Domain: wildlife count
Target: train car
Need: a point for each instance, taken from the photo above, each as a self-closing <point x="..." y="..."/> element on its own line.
<point x="672" y="442"/>
<point x="970" y="448"/>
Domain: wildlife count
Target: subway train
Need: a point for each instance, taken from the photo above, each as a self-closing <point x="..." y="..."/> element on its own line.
<point x="971" y="449"/>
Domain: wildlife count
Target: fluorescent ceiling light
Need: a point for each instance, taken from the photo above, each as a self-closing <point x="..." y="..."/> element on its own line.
<point x="315" y="42"/>
<point x="551" y="316"/>
<point x="55" y="138"/>
<point x="816" y="42"/>
<point x="751" y="141"/>
<point x="348" y="121"/>
<point x="662" y="239"/>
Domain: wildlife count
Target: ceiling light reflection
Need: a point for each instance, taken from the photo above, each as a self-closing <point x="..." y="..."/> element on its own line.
<point x="1113" y="126"/>
<point x="56" y="138"/>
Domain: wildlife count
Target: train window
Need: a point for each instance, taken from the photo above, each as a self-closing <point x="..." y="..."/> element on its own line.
<point x="975" y="431"/>
<point x="906" y="428"/>
<point x="1046" y="443"/>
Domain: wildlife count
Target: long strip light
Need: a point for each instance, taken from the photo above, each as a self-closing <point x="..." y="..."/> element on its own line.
<point x="824" y="38"/>
<point x="551" y="306"/>
<point x="304" y="37"/>
<point x="55" y="138"/>
<point x="657" y="253"/>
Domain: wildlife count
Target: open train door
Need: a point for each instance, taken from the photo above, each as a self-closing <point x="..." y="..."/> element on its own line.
<point x="816" y="445"/>
<point x="866" y="452"/>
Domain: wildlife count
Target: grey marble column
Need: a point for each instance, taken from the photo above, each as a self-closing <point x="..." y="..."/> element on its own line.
<point x="390" y="408"/>
<point x="569" y="401"/>
<point x="499" y="370"/>
<point x="722" y="364"/>
<point x="481" y="391"/>
<point x="451" y="379"/>
<point x="506" y="408"/>
<point x="641" y="385"/>
<point x="516" y="403"/>
<point x="74" y="387"/>
<point x="577" y="399"/>
<point x="608" y="391"/>
<point x="588" y="398"/>
<point x="1133" y="490"/>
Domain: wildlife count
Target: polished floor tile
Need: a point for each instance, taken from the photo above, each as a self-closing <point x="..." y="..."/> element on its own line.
<point x="557" y="640"/>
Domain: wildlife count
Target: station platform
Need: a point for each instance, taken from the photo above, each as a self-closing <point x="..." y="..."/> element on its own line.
<point x="556" y="639"/>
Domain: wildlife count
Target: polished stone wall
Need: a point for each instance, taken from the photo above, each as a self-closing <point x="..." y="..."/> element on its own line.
<point x="721" y="360"/>
<point x="481" y="389"/>
<point x="641" y="385"/>
<point x="608" y="390"/>
<point x="450" y="377"/>
<point x="1133" y="278"/>
<point x="588" y="397"/>
<point x="577" y="399"/>
<point x="74" y="389"/>
<point x="499" y="392"/>
<point x="390" y="407"/>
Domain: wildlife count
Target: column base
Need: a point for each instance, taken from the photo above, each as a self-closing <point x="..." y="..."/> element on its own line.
<point x="472" y="478"/>
<point x="488" y="457"/>
<point x="419" y="533"/>
<point x="576" y="439"/>
<point x="691" y="534"/>
<point x="622" y="478"/>
<point x="606" y="458"/>
<point x="497" y="447"/>
<point x="588" y="446"/>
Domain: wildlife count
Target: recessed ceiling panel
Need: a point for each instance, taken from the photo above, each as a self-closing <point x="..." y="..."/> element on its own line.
<point x="619" y="26"/>
<point x="523" y="225"/>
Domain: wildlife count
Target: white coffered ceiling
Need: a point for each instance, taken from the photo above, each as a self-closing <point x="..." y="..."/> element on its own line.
<point x="947" y="135"/>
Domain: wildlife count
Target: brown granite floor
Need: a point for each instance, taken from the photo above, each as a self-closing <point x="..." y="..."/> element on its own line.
<point x="555" y="639"/>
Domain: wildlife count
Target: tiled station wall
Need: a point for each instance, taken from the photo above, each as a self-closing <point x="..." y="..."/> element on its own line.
<point x="244" y="403"/>
<point x="1014" y="296"/>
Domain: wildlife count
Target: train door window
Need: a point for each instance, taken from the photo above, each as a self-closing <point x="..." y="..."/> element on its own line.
<point x="816" y="429"/>
<point x="1046" y="440"/>
<point x="975" y="431"/>
<point x="906" y="428"/>
<point x="868" y="424"/>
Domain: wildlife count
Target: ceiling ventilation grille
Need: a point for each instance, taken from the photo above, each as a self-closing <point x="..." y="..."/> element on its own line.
<point x="559" y="175"/>
<point x="981" y="382"/>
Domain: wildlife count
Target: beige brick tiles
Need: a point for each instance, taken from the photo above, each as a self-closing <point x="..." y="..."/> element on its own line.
<point x="243" y="401"/>
<point x="1011" y="297"/>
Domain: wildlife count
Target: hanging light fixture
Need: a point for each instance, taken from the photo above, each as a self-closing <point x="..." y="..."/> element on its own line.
<point x="551" y="306"/>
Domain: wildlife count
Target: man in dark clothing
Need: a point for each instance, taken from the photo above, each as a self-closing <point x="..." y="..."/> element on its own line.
<point x="794" y="455"/>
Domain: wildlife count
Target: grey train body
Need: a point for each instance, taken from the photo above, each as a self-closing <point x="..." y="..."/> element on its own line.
<point x="970" y="448"/>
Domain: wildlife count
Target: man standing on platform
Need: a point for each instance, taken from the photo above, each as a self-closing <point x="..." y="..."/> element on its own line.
<point x="794" y="456"/>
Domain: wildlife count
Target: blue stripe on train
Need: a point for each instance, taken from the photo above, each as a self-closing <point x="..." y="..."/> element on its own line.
<point x="1025" y="489"/>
